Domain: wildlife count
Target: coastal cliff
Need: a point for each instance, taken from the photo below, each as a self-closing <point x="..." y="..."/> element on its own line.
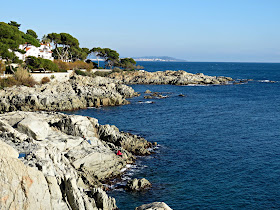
<point x="168" y="77"/>
<point x="59" y="169"/>
<point x="77" y="93"/>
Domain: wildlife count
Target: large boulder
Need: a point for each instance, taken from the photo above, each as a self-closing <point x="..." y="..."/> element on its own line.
<point x="34" y="127"/>
<point x="138" y="184"/>
<point x="132" y="143"/>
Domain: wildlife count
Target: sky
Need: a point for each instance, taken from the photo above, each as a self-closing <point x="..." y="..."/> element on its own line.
<point x="194" y="30"/>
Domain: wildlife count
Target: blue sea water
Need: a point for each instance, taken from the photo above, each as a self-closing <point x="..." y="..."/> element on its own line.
<point x="219" y="147"/>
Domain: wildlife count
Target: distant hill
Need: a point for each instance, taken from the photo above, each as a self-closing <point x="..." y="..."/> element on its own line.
<point x="158" y="58"/>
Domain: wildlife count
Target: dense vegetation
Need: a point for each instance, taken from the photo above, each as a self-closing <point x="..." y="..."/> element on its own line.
<point x="66" y="47"/>
<point x="10" y="39"/>
<point x="67" y="54"/>
<point x="34" y="63"/>
<point x="111" y="58"/>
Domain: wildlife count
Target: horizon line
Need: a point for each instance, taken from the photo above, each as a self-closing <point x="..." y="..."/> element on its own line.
<point x="214" y="61"/>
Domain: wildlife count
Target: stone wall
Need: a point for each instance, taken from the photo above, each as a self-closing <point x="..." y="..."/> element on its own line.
<point x="61" y="76"/>
<point x="55" y="76"/>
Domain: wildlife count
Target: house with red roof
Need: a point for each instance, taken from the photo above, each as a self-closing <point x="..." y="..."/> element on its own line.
<point x="44" y="51"/>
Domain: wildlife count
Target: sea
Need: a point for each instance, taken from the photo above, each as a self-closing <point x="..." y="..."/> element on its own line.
<point x="218" y="147"/>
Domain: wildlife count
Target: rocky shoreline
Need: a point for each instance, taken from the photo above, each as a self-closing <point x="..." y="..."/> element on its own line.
<point x="60" y="169"/>
<point x="51" y="160"/>
<point x="168" y="77"/>
<point x="78" y="92"/>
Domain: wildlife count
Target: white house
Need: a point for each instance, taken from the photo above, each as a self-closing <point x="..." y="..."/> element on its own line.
<point x="44" y="51"/>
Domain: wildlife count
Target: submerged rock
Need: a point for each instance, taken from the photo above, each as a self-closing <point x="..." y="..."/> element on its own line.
<point x="152" y="95"/>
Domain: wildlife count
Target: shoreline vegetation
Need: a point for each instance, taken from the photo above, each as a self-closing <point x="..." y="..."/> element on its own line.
<point x="52" y="160"/>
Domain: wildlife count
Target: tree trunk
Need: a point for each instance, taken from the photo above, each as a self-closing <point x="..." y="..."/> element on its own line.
<point x="11" y="68"/>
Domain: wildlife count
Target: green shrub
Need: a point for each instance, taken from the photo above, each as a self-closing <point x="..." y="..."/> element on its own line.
<point x="82" y="73"/>
<point x="116" y="69"/>
<point x="34" y="63"/>
<point x="101" y="73"/>
<point x="8" y="82"/>
<point x="49" y="65"/>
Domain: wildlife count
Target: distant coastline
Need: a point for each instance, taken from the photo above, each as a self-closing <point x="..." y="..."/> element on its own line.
<point x="158" y="59"/>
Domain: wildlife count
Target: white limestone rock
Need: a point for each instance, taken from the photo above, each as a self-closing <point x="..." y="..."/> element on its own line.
<point x="7" y="151"/>
<point x="154" y="206"/>
<point x="21" y="187"/>
<point x="63" y="162"/>
<point x="34" y="127"/>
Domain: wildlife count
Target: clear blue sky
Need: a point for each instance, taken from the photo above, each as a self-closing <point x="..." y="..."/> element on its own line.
<point x="195" y="30"/>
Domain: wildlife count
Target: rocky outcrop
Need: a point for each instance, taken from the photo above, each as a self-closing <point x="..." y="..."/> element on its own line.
<point x="152" y="95"/>
<point x="132" y="143"/>
<point x="168" y="77"/>
<point x="154" y="206"/>
<point x="77" y="93"/>
<point x="138" y="184"/>
<point x="58" y="162"/>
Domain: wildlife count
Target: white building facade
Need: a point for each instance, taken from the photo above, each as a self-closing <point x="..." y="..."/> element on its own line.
<point x="44" y="51"/>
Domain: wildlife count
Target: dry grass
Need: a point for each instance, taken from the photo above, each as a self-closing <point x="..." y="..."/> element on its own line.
<point x="2" y="67"/>
<point x="63" y="66"/>
<point x="45" y="80"/>
<point x="21" y="74"/>
<point x="21" y="77"/>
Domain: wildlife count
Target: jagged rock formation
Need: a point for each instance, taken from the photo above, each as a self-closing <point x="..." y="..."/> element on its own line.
<point x="138" y="184"/>
<point x="77" y="93"/>
<point x="154" y="206"/>
<point x="168" y="77"/>
<point x="60" y="169"/>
